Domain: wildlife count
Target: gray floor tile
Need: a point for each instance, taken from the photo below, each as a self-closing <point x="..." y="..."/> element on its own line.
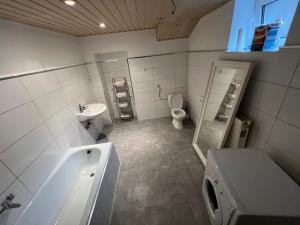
<point x="161" y="176"/>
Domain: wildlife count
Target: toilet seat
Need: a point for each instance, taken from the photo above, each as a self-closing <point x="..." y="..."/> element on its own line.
<point x="178" y="113"/>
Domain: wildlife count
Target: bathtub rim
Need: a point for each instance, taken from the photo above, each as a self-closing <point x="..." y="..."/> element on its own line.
<point x="105" y="149"/>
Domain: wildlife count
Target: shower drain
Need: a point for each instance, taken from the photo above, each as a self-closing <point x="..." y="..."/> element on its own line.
<point x="92" y="174"/>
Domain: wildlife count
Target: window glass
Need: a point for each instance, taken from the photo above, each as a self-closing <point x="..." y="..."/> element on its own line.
<point x="271" y="11"/>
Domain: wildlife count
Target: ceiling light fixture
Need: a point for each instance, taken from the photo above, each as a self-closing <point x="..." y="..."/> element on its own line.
<point x="70" y="2"/>
<point x="102" y="25"/>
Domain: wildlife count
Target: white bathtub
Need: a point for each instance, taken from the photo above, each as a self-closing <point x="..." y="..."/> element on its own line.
<point x="80" y="191"/>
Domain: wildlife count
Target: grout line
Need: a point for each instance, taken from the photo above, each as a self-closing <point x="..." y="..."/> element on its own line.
<point x="281" y="105"/>
<point x="15" y="107"/>
<point x="269" y="82"/>
<point x="1" y="193"/>
<point x="22" y="137"/>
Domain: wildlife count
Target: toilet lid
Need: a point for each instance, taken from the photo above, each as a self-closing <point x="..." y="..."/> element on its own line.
<point x="175" y="101"/>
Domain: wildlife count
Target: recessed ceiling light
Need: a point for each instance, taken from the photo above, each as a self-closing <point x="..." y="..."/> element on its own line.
<point x="102" y="25"/>
<point x="69" y="2"/>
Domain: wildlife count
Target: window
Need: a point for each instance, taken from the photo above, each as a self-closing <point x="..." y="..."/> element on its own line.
<point x="270" y="11"/>
<point x="249" y="14"/>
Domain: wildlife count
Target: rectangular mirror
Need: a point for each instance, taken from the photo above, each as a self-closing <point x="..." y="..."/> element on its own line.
<point x="226" y="86"/>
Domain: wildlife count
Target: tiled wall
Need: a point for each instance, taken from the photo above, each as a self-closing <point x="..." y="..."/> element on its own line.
<point x="114" y="69"/>
<point x="97" y="87"/>
<point x="271" y="100"/>
<point x="169" y="71"/>
<point x="37" y="125"/>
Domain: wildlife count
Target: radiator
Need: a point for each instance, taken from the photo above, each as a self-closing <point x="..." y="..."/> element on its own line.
<point x="239" y="132"/>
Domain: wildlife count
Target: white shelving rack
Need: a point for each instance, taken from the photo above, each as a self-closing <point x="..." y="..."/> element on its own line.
<point x="123" y="98"/>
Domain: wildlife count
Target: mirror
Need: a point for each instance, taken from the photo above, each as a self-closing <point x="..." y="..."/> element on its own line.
<point x="226" y="86"/>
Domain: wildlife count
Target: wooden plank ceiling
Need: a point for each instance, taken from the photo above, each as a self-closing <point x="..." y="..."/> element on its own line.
<point x="171" y="18"/>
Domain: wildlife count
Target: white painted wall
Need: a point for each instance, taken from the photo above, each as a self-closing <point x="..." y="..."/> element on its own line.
<point x="24" y="48"/>
<point x="37" y="120"/>
<point x="212" y="31"/>
<point x="136" y="43"/>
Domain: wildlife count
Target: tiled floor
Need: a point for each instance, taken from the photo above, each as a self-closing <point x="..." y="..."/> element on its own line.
<point x="160" y="178"/>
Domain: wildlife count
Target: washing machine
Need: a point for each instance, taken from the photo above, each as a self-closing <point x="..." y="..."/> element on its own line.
<point x="245" y="187"/>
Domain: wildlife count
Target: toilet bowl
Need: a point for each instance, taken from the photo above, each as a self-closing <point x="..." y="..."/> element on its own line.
<point x="178" y="114"/>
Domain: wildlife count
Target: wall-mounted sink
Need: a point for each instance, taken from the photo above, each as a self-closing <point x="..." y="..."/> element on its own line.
<point x="91" y="111"/>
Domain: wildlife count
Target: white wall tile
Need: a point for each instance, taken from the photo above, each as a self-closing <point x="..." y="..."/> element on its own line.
<point x="141" y="75"/>
<point x="164" y="93"/>
<point x="181" y="58"/>
<point x="72" y="91"/>
<point x="85" y="138"/>
<point x="165" y="83"/>
<point x="181" y="82"/>
<point x="288" y="163"/>
<point x="16" y="123"/>
<point x="162" y="61"/>
<point x="21" y="155"/>
<point x="66" y="138"/>
<point x="147" y="115"/>
<point x="262" y="123"/>
<point x="183" y="91"/>
<point x="202" y="59"/>
<point x="285" y="138"/>
<point x="95" y="81"/>
<point x="274" y="67"/>
<point x="98" y="92"/>
<point x="22" y="195"/>
<point x="163" y="72"/>
<point x="265" y="96"/>
<point x="162" y="104"/>
<point x="140" y="63"/>
<point x="70" y="75"/>
<point x="255" y="142"/>
<point x="290" y="110"/>
<point x="181" y="71"/>
<point x="144" y="97"/>
<point x="40" y="84"/>
<point x="140" y="87"/>
<point x="51" y="103"/>
<point x="145" y="106"/>
<point x="118" y="65"/>
<point x="296" y="79"/>
<point x="6" y="177"/>
<point x="92" y="69"/>
<point x="163" y="113"/>
<point x="123" y="73"/>
<point x="13" y="94"/>
<point x="197" y="86"/>
<point x="36" y="174"/>
<point x="60" y="120"/>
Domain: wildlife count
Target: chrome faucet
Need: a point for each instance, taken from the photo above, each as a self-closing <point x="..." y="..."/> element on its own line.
<point x="8" y="203"/>
<point x="82" y="108"/>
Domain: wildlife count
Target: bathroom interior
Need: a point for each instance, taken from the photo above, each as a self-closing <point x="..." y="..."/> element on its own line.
<point x="133" y="112"/>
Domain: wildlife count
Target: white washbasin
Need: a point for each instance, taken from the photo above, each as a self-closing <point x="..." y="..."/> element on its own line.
<point x="91" y="111"/>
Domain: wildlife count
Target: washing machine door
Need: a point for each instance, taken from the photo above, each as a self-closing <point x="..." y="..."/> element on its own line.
<point x="212" y="199"/>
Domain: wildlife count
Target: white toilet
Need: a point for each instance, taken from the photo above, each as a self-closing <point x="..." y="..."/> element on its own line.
<point x="178" y="114"/>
